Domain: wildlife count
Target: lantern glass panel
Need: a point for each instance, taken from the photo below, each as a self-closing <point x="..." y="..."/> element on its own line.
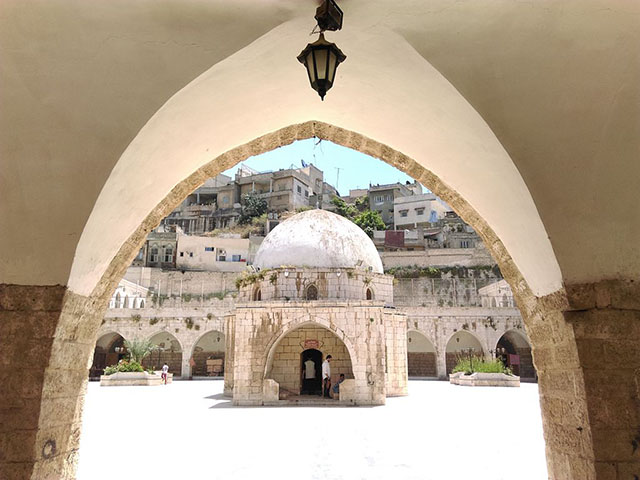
<point x="321" y="63"/>
<point x="311" y="68"/>
<point x="332" y="66"/>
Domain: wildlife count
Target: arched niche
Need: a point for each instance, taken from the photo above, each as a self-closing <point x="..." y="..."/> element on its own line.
<point x="109" y="350"/>
<point x="515" y="352"/>
<point x="421" y="355"/>
<point x="208" y="355"/>
<point x="287" y="371"/>
<point x="169" y="351"/>
<point x="461" y="342"/>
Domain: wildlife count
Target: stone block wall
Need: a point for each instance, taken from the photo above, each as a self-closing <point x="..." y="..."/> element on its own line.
<point x="332" y="284"/>
<point x="259" y="326"/>
<point x="286" y="368"/>
<point x="396" y="358"/>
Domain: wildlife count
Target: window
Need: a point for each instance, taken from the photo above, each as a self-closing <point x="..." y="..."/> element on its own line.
<point x="225" y="199"/>
<point x="389" y="198"/>
<point x="403" y="213"/>
<point x="191" y="254"/>
<point x="306" y="193"/>
<point x="182" y="254"/>
<point x="369" y="294"/>
<point x="209" y="249"/>
<point x="299" y="189"/>
<point x="168" y="255"/>
<point x="222" y="255"/>
<point x="419" y="211"/>
<point x="312" y="293"/>
<point x="464" y="243"/>
<point x="154" y="254"/>
<point x="235" y="258"/>
<point x="378" y="199"/>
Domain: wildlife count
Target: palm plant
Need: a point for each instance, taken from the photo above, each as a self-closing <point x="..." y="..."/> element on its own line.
<point x="138" y="349"/>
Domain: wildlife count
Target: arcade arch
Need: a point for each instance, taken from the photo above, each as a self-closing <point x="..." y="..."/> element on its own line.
<point x="208" y="355"/>
<point x="288" y="354"/>
<point x="169" y="351"/>
<point x="109" y="350"/>
<point x="461" y="343"/>
<point x="421" y="355"/>
<point x="515" y="352"/>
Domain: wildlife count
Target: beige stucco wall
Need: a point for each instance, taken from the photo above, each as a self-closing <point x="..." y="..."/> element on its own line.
<point x="86" y="103"/>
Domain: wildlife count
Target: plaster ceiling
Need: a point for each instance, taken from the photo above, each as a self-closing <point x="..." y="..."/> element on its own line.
<point x="556" y="82"/>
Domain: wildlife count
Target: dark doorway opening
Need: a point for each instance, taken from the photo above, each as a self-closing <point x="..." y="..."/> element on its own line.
<point x="311" y="368"/>
<point x="506" y="352"/>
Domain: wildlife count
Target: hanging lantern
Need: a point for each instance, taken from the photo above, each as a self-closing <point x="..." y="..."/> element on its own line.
<point x="321" y="59"/>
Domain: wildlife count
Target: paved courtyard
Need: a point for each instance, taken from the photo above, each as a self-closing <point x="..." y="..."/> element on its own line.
<point x="187" y="430"/>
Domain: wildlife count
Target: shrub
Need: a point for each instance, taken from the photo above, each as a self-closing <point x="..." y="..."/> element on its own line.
<point x="124" y="366"/>
<point x="478" y="364"/>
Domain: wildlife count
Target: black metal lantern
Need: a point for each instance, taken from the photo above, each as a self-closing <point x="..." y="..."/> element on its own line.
<point x="321" y="59"/>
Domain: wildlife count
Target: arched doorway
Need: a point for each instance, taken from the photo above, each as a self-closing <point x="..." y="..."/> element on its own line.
<point x="208" y="355"/>
<point x="311" y="372"/>
<point x="287" y="359"/>
<point x="421" y="356"/>
<point x="109" y="350"/>
<point x="169" y="351"/>
<point x="311" y="293"/>
<point x="461" y="343"/>
<point x="515" y="352"/>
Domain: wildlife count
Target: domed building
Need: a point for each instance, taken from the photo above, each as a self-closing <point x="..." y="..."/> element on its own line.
<point x="317" y="289"/>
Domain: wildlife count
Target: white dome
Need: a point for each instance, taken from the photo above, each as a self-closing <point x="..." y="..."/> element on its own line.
<point x="317" y="238"/>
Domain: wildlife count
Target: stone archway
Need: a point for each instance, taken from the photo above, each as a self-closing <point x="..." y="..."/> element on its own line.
<point x="421" y="355"/>
<point x="93" y="306"/>
<point x="109" y="350"/>
<point x="515" y="351"/>
<point x="460" y="343"/>
<point x="169" y="351"/>
<point x="209" y="355"/>
<point x="310" y="335"/>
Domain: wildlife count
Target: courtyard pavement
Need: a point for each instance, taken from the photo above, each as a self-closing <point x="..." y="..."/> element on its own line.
<point x="187" y="430"/>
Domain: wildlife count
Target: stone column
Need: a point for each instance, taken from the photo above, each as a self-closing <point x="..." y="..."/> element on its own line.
<point x="441" y="363"/>
<point x="45" y="354"/>
<point x="186" y="366"/>
<point x="588" y="361"/>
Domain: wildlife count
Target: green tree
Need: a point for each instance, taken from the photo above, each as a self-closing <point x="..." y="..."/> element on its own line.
<point x="343" y="208"/>
<point x="252" y="206"/>
<point x="362" y="203"/>
<point x="369" y="221"/>
<point x="138" y="349"/>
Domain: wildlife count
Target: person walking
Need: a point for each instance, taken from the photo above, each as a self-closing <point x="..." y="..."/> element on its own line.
<point x="165" y="371"/>
<point x="326" y="377"/>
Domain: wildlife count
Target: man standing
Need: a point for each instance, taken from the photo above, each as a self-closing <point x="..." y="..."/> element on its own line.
<point x="326" y="377"/>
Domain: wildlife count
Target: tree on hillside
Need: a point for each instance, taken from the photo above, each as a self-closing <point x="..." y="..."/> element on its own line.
<point x="343" y="208"/>
<point x="369" y="221"/>
<point x="362" y="203"/>
<point x="252" y="206"/>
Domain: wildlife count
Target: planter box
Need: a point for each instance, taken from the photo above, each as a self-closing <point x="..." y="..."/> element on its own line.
<point x="133" y="378"/>
<point x="484" y="380"/>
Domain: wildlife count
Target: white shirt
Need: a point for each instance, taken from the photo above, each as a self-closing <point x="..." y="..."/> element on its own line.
<point x="309" y="369"/>
<point x="165" y="369"/>
<point x="326" y="370"/>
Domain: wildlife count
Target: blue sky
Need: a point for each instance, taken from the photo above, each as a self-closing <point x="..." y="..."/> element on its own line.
<point x="357" y="169"/>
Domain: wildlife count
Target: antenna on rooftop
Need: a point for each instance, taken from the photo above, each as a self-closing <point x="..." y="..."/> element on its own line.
<point x="338" y="177"/>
